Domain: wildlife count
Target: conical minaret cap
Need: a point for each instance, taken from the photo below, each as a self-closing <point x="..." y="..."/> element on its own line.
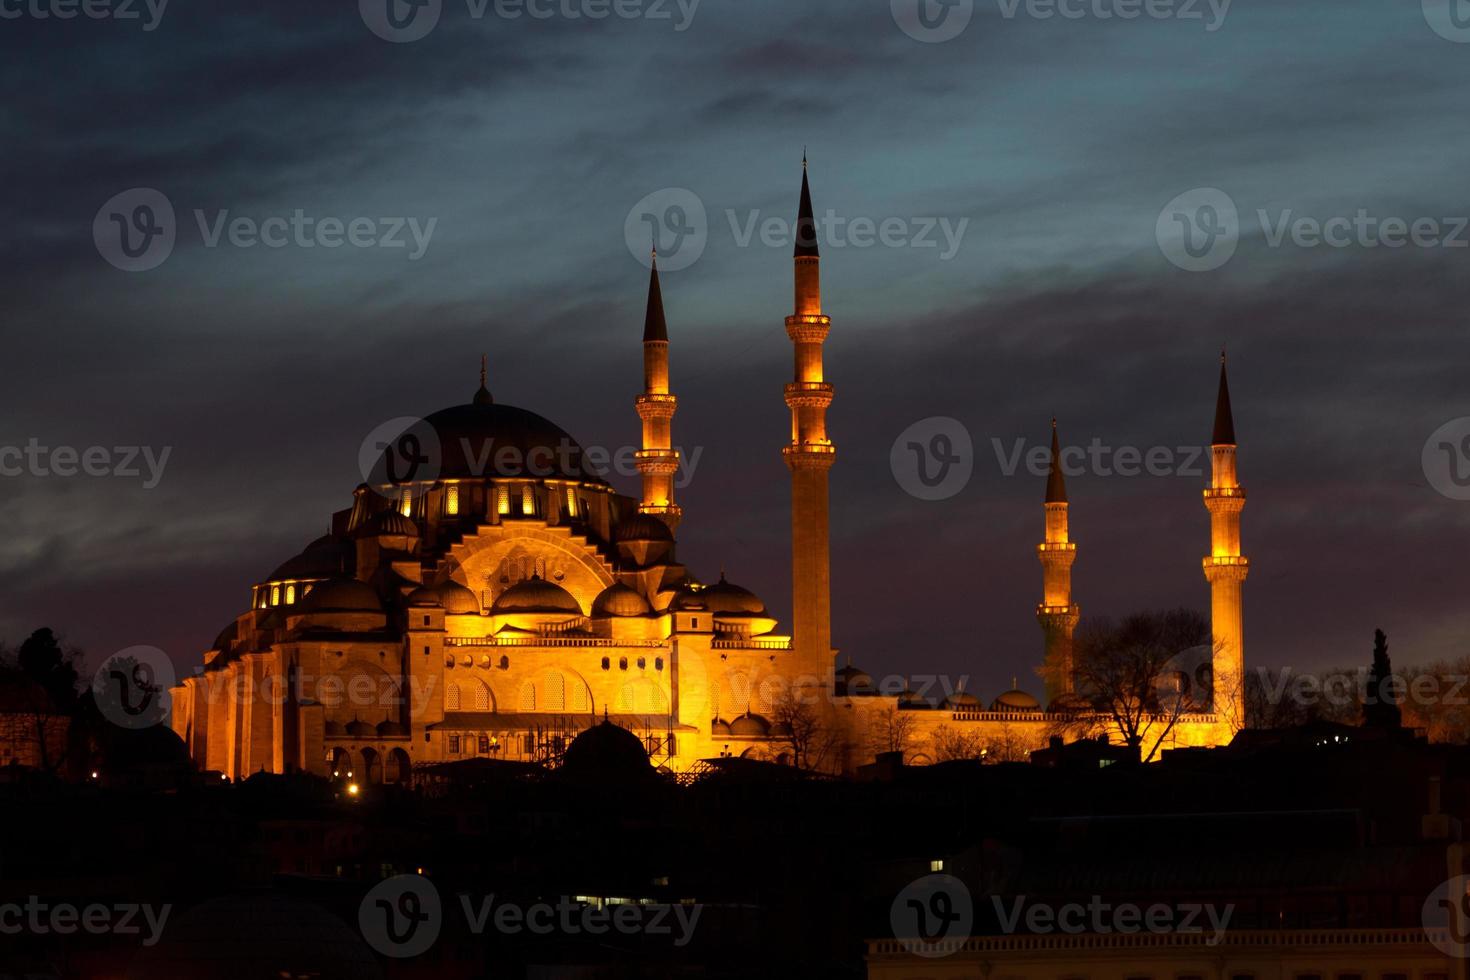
<point x="1056" y="483"/>
<point x="1224" y="434"/>
<point x="654" y="327"/>
<point x="806" y="225"/>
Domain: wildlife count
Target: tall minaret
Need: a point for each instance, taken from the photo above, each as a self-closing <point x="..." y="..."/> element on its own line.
<point x="1226" y="567"/>
<point x="658" y="461"/>
<point x="1056" y="613"/>
<point x="809" y="456"/>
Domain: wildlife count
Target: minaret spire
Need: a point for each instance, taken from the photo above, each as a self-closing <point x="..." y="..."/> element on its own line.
<point x="482" y="397"/>
<point x="809" y="456"/>
<point x="1057" y="614"/>
<point x="1225" y="567"/>
<point x="658" y="461"/>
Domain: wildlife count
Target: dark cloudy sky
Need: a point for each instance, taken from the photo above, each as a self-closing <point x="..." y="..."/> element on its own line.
<point x="1057" y="140"/>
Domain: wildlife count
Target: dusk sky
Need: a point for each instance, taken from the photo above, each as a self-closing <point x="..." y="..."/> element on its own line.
<point x="1049" y="146"/>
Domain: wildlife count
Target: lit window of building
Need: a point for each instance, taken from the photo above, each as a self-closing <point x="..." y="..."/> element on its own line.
<point x="451" y="499"/>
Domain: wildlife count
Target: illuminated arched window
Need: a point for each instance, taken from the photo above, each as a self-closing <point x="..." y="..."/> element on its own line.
<point x="451" y="499"/>
<point x="580" y="700"/>
<point x="275" y="595"/>
<point x="528" y="500"/>
<point x="405" y="503"/>
<point x="555" y="693"/>
<point x="528" y="697"/>
<point x="451" y="698"/>
<point x="571" y="501"/>
<point x="482" y="697"/>
<point x="502" y="500"/>
<point x="290" y="595"/>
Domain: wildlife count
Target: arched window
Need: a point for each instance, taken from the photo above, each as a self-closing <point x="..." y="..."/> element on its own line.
<point x="451" y="698"/>
<point x="606" y="663"/>
<point x="580" y="699"/>
<point x="482" y="697"/>
<point x="555" y="693"/>
<point x="528" y="697"/>
<point x="451" y="499"/>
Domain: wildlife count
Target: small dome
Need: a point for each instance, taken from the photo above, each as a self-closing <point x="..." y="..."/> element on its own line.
<point x="341" y="595"/>
<point x="722" y="597"/>
<point x="455" y="598"/>
<point x="1015" y="700"/>
<point x="424" y="596"/>
<point x="536" y="595"/>
<point x="361" y="729"/>
<point x="605" y="750"/>
<point x="324" y="557"/>
<point x="851" y="680"/>
<point x="641" y="527"/>
<point x="620" y="600"/>
<point x="389" y="522"/>
<point x="963" y="699"/>
<point x="334" y="728"/>
<point x="750" y="726"/>
<point x="718" y="727"/>
<point x="392" y="729"/>
<point x="909" y="698"/>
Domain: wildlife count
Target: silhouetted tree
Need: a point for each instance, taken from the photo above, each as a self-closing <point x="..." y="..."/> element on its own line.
<point x="1141" y="675"/>
<point x="891" y="730"/>
<point x="1380" y="707"/>
<point x="40" y="697"/>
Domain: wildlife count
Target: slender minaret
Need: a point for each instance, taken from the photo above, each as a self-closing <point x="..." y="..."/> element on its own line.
<point x="658" y="461"/>
<point x="1056" y="613"/>
<point x="1226" y="567"/>
<point x="809" y="456"/>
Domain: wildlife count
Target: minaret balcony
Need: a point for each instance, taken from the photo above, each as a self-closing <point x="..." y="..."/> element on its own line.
<point x="1054" y="546"/>
<point x="1043" y="610"/>
<point x="808" y="394"/>
<point x="660" y="461"/>
<point x="1218" y="493"/>
<point x="656" y="406"/>
<point x="809" y="455"/>
<point x="808" y="328"/>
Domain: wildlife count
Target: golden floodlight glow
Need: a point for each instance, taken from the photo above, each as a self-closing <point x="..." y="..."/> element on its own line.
<point x="352" y="789"/>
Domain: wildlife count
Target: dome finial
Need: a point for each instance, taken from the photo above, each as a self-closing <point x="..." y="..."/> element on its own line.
<point x="482" y="397"/>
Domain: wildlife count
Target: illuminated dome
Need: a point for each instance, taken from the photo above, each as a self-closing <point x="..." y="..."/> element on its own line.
<point x="722" y="597"/>
<point x="641" y="527"/>
<point x="522" y="444"/>
<point x="536" y="595"/>
<point x="963" y="699"/>
<point x="424" y="596"/>
<point x="750" y="726"/>
<point x="456" y="598"/>
<point x="619" y="600"/>
<point x="718" y="727"/>
<point x="1015" y="700"/>
<point x="342" y="595"/>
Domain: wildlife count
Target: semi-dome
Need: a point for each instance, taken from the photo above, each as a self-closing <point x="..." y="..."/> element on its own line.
<point x="718" y="727"/>
<point x="456" y="598"/>
<point x="641" y="527"/>
<point x="392" y="729"/>
<point x="361" y="729"/>
<point x="620" y="600"/>
<point x="536" y="595"/>
<point x="750" y="726"/>
<point x="483" y="440"/>
<point x="324" y="557"/>
<point x="342" y="595"/>
<point x="1015" y="700"/>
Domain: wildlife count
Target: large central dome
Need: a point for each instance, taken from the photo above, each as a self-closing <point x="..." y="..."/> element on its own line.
<point x="488" y="440"/>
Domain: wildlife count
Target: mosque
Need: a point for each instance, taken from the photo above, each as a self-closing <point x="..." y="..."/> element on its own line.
<point x="488" y="595"/>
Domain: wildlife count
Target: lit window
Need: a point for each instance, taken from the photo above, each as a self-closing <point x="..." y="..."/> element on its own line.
<point x="937" y="864"/>
<point x="528" y="500"/>
<point x="571" y="501"/>
<point x="484" y="745"/>
<point x="451" y="499"/>
<point x="290" y="595"/>
<point x="502" y="500"/>
<point x="451" y="698"/>
<point x="275" y="595"/>
<point x="406" y="503"/>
